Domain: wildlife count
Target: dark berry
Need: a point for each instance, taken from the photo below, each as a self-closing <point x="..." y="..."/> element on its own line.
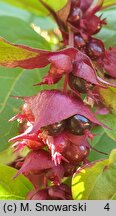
<point x="75" y="15"/>
<point x="95" y="49"/>
<point x="77" y="83"/>
<point x="77" y="124"/>
<point x="76" y="153"/>
<point x="79" y="41"/>
<point x="55" y="128"/>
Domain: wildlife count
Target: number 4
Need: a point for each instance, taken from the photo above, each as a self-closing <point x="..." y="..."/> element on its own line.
<point x="107" y="207"/>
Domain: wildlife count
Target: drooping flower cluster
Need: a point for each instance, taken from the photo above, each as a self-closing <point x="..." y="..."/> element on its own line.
<point x="79" y="17"/>
<point x="55" y="124"/>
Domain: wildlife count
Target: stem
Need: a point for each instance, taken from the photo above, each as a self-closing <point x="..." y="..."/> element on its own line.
<point x="71" y="43"/>
<point x="71" y="38"/>
<point x="65" y="83"/>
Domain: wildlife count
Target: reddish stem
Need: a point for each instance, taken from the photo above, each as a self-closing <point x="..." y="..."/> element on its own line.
<point x="65" y="83"/>
<point x="71" y="43"/>
<point x="71" y="38"/>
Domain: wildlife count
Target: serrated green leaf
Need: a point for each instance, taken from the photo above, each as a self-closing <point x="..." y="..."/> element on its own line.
<point x="35" y="6"/>
<point x="13" y="189"/>
<point x="96" y="181"/>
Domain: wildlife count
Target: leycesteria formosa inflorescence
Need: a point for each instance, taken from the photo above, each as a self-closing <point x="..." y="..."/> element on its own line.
<point x="56" y="124"/>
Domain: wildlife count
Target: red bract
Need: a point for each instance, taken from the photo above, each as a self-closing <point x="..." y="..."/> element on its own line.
<point x="79" y="64"/>
<point x="41" y="167"/>
<point x="41" y="195"/>
<point x="54" y="174"/>
<point x="38" y="181"/>
<point x="84" y="69"/>
<point x="46" y="110"/>
<point x="108" y="62"/>
<point x="61" y="192"/>
<point x="35" y="162"/>
<point x="60" y="64"/>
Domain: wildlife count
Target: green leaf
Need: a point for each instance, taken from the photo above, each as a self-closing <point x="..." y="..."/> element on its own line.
<point x="96" y="181"/>
<point x="108" y="32"/>
<point x="9" y="53"/>
<point x="35" y="6"/>
<point x="16" y="55"/>
<point x="108" y="3"/>
<point x="108" y="97"/>
<point x="44" y="22"/>
<point x="114" y="197"/>
<point x="23" y="34"/>
<point x="9" y="10"/>
<point x="7" y="156"/>
<point x="112" y="157"/>
<point x="13" y="189"/>
<point x="110" y="121"/>
<point x="101" y="142"/>
<point x="14" y="82"/>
